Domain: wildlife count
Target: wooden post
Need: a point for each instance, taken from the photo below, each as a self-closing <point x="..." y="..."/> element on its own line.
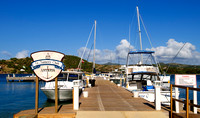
<point x="171" y="100"/>
<point x="187" y="102"/>
<point x="120" y="81"/>
<point x="56" y="95"/>
<point x="36" y="94"/>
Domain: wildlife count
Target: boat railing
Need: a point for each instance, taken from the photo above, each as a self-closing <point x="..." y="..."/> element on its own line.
<point x="186" y="102"/>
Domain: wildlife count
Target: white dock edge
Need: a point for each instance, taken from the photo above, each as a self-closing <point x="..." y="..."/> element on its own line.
<point x="122" y="114"/>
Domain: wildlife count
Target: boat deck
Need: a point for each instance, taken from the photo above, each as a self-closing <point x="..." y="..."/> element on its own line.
<point x="104" y="98"/>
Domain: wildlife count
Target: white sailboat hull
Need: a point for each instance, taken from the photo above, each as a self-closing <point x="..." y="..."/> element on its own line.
<point x="63" y="94"/>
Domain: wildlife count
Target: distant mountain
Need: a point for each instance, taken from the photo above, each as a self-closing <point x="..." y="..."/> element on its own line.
<point x="14" y="65"/>
<point x="175" y="68"/>
<point x="109" y="63"/>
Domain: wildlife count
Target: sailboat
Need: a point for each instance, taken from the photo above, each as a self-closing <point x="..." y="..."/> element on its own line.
<point x="66" y="79"/>
<point x="143" y="73"/>
<point x="90" y="78"/>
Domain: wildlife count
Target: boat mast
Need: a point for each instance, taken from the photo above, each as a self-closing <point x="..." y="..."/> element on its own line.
<point x="138" y="17"/>
<point x="94" y="46"/>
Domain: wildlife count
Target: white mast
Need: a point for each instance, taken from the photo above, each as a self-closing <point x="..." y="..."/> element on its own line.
<point x="138" y="17"/>
<point x="94" y="46"/>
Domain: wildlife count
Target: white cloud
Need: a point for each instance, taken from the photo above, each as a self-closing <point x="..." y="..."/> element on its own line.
<point x="123" y="48"/>
<point x="106" y="55"/>
<point x="5" y="53"/>
<point x="101" y="56"/>
<point x="22" y="54"/>
<point x="188" y="54"/>
<point x="173" y="47"/>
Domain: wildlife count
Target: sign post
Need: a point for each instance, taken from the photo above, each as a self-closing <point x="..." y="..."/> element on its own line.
<point x="187" y="80"/>
<point x="36" y="94"/>
<point x="47" y="66"/>
<point x="56" y="95"/>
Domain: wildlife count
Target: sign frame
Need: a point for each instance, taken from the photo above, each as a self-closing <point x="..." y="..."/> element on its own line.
<point x="47" y="64"/>
<point x="191" y="82"/>
<point x="57" y="63"/>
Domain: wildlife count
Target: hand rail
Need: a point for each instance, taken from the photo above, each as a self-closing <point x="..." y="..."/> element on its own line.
<point x="187" y="98"/>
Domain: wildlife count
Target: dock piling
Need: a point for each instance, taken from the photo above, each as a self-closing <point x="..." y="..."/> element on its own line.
<point x="157" y="98"/>
<point x="76" y="95"/>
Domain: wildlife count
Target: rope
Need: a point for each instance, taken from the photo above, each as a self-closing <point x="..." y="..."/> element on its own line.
<point x="90" y="51"/>
<point x="79" y="65"/>
<point x="158" y="64"/>
<point x="176" y="56"/>
<point x="132" y="21"/>
<point x="146" y="32"/>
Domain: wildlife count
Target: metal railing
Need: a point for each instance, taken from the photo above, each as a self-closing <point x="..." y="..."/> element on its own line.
<point x="187" y="104"/>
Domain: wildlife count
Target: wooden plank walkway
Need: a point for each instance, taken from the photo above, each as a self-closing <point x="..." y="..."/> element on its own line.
<point x="65" y="111"/>
<point x="105" y="96"/>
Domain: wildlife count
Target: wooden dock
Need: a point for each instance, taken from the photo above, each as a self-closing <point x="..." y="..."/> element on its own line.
<point x="106" y="99"/>
<point x="106" y="96"/>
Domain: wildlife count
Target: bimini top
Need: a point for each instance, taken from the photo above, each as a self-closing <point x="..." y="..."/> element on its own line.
<point x="141" y="52"/>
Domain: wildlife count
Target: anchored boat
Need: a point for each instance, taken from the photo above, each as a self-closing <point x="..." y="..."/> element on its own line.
<point x="142" y="73"/>
<point x="65" y="85"/>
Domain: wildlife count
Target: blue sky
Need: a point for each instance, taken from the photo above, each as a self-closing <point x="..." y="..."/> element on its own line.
<point x="27" y="26"/>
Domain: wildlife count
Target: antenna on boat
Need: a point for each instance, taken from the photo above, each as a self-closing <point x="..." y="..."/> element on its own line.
<point x="138" y="17"/>
<point x="93" y="68"/>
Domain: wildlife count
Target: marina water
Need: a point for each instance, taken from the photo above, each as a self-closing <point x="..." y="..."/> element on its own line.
<point x="17" y="96"/>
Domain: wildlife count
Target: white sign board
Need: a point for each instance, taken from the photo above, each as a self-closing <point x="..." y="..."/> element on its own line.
<point x="47" y="64"/>
<point x="185" y="80"/>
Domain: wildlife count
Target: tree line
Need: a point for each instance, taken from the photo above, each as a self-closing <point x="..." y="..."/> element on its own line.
<point x="22" y="65"/>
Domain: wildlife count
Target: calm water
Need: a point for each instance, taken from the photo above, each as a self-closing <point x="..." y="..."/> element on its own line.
<point x="17" y="96"/>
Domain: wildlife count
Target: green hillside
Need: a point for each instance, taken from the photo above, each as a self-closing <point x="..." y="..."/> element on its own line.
<point x="175" y="68"/>
<point x="15" y="65"/>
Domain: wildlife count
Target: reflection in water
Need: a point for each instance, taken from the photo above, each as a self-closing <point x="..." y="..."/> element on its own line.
<point x="49" y="103"/>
